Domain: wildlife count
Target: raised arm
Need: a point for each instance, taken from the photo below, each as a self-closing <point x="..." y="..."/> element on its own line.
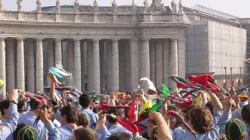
<point x="162" y="127"/>
<point x="52" y="87"/>
<point x="11" y="122"/>
<point x="215" y="100"/>
<point x="54" y="133"/>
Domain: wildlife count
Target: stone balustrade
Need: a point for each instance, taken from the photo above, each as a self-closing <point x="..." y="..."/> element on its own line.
<point x="101" y="17"/>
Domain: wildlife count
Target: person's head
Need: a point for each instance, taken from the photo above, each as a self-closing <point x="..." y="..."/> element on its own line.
<point x="112" y="119"/>
<point x="22" y="106"/>
<point x="18" y="128"/>
<point x="84" y="100"/>
<point x="34" y="105"/>
<point x="69" y="114"/>
<point x="83" y="120"/>
<point x="210" y="106"/>
<point x="4" y="108"/>
<point x="24" y="132"/>
<point x="245" y="113"/>
<point x="120" y="136"/>
<point x="85" y="133"/>
<point x="200" y="119"/>
<point x="235" y="129"/>
<point x="174" y="122"/>
<point x="188" y="109"/>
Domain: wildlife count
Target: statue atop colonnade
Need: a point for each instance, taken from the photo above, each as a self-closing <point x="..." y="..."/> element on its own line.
<point x="19" y="5"/>
<point x="38" y="6"/>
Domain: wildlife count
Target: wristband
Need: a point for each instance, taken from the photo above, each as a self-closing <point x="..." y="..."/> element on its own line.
<point x="13" y="101"/>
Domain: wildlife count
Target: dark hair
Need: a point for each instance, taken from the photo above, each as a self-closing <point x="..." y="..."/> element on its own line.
<point x="111" y="119"/>
<point x="18" y="128"/>
<point x="120" y="136"/>
<point x="84" y="100"/>
<point x="201" y="119"/>
<point x="210" y="106"/>
<point x="50" y="104"/>
<point x="70" y="112"/>
<point x="245" y="113"/>
<point x="4" y="105"/>
<point x="83" y="120"/>
<point x="20" y="105"/>
<point x="85" y="133"/>
<point x="33" y="104"/>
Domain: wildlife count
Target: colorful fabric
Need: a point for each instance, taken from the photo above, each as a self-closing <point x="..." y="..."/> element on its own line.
<point x="205" y="80"/>
<point x="147" y="105"/>
<point x="132" y="127"/>
<point x="181" y="103"/>
<point x="181" y="83"/>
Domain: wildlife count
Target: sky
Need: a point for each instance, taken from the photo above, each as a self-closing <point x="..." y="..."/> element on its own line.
<point x="238" y="8"/>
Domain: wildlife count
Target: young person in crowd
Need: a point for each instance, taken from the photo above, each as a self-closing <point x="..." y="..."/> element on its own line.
<point x="85" y="102"/>
<point x="69" y="119"/>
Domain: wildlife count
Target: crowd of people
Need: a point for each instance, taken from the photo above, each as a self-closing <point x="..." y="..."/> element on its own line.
<point x="201" y="115"/>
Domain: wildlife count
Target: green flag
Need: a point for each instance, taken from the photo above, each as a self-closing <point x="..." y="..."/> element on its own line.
<point x="165" y="90"/>
<point x="156" y="106"/>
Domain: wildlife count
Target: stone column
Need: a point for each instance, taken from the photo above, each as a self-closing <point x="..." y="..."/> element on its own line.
<point x="166" y="48"/>
<point x="181" y="58"/>
<point x="2" y="65"/>
<point x="70" y="60"/>
<point x="77" y="64"/>
<point x="115" y="66"/>
<point x="134" y="65"/>
<point x="173" y="62"/>
<point x="30" y="66"/>
<point x="10" y="66"/>
<point x="20" y="65"/>
<point x="51" y="58"/>
<point x="122" y="65"/>
<point x="159" y="63"/>
<point x="127" y="64"/>
<point x="103" y="63"/>
<point x="90" y="65"/>
<point x="145" y="62"/>
<point x="65" y="56"/>
<point x="152" y="54"/>
<point x="39" y="65"/>
<point x="109" y="65"/>
<point x="58" y="51"/>
<point x="84" y="64"/>
<point x="96" y="66"/>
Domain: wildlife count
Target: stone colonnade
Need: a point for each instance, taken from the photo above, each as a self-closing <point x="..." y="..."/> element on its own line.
<point x="95" y="64"/>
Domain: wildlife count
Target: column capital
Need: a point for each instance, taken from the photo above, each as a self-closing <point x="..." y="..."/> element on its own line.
<point x="96" y="40"/>
<point x="77" y="40"/>
<point x="20" y="39"/>
<point x="39" y="39"/>
<point x="173" y="39"/>
<point x="58" y="39"/>
<point x="145" y="39"/>
<point x="134" y="40"/>
<point x="115" y="40"/>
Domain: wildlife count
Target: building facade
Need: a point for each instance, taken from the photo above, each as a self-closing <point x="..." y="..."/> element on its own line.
<point x="246" y="25"/>
<point x="215" y="42"/>
<point x="104" y="47"/>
